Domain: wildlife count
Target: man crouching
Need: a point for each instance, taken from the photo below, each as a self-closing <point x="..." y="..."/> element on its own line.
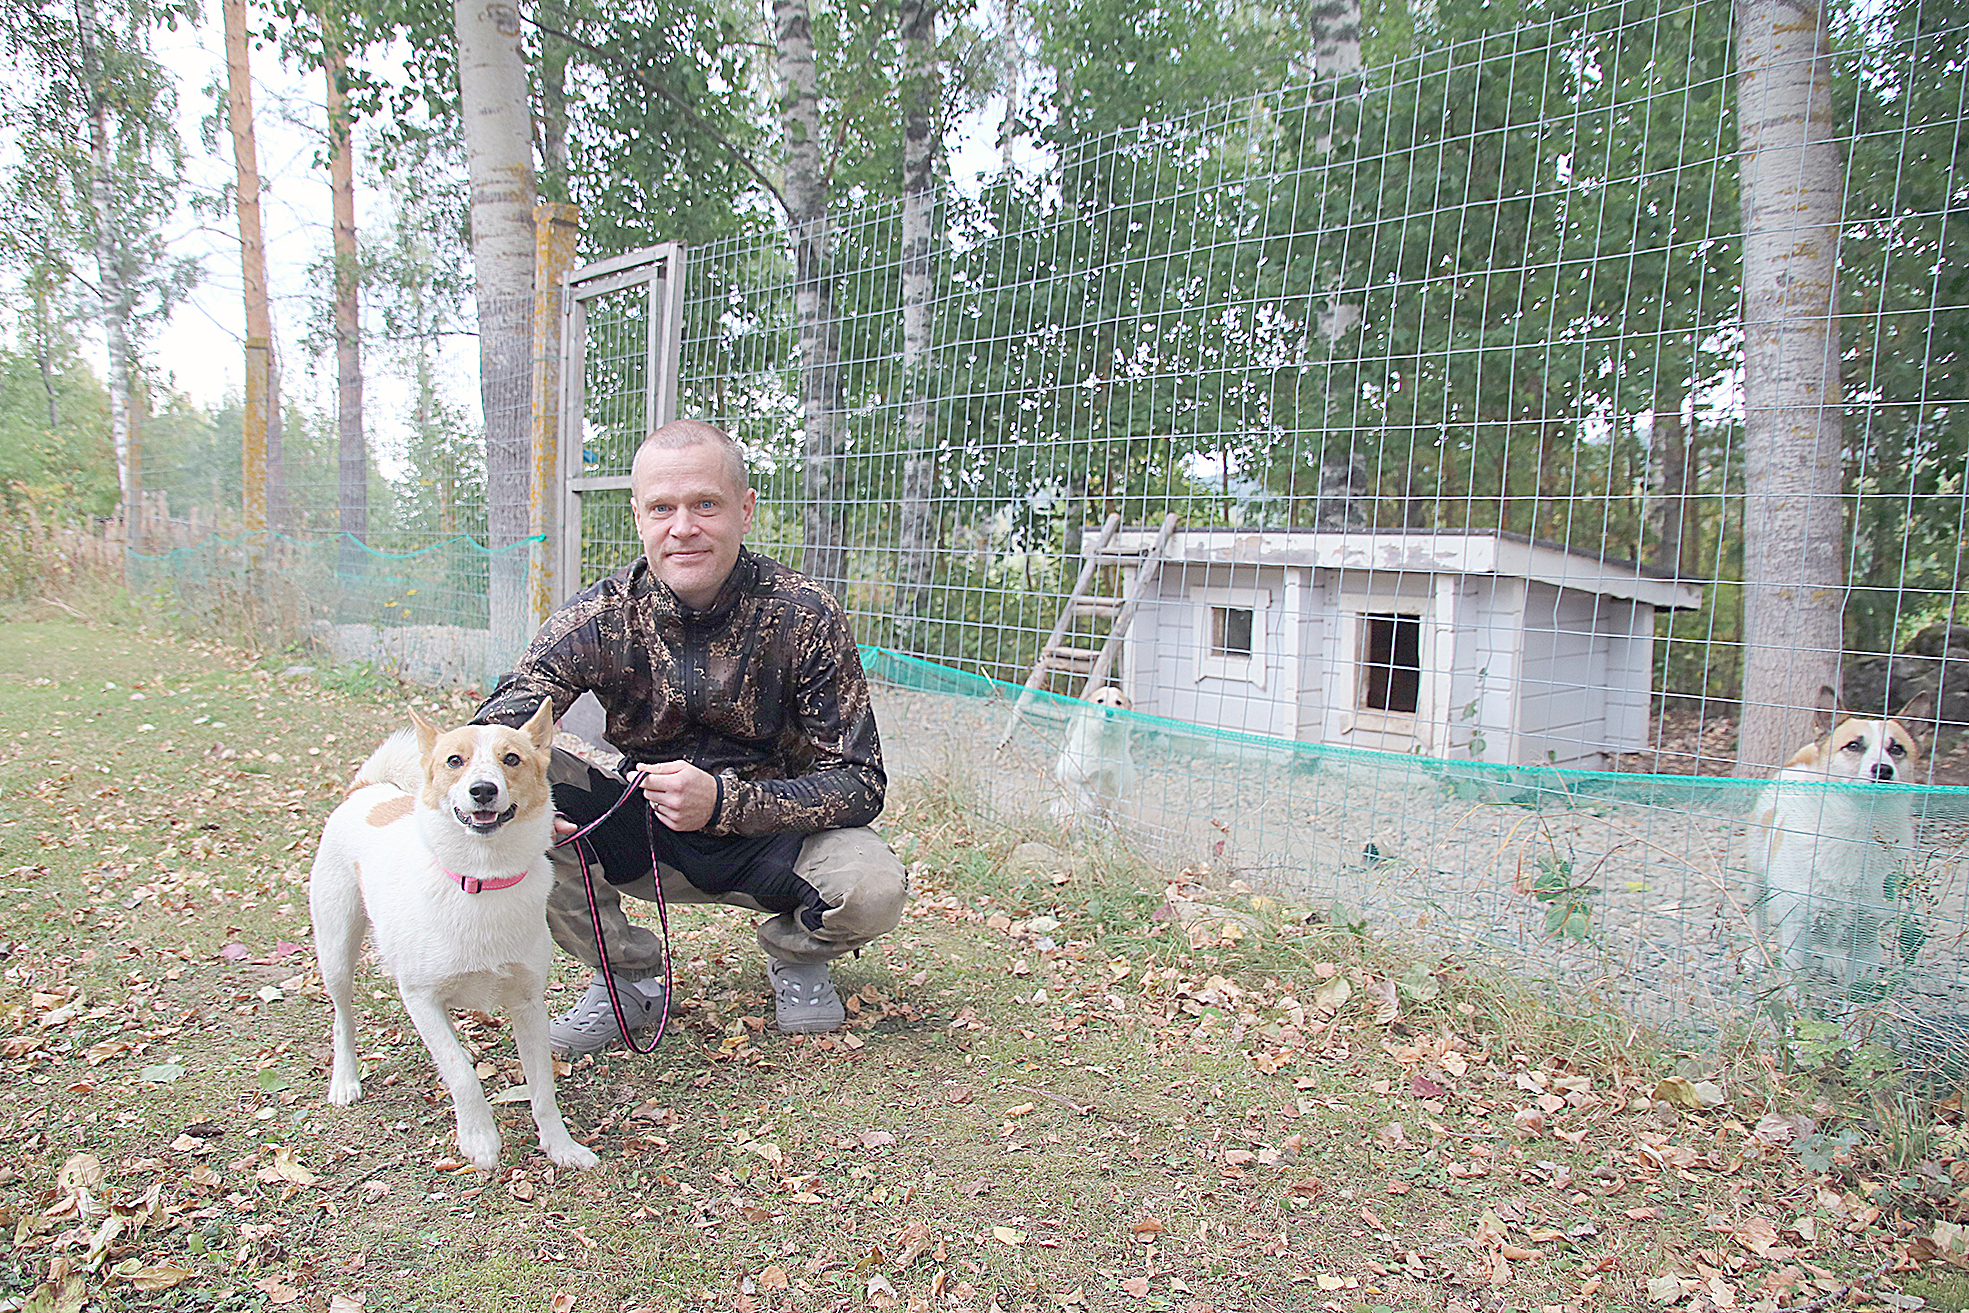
<point x="734" y="683"/>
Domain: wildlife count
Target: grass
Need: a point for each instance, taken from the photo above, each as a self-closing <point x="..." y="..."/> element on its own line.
<point x="1068" y="1082"/>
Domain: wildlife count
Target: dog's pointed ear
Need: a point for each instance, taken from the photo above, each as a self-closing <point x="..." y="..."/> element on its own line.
<point x="1916" y="708"/>
<point x="540" y="725"/>
<point x="427" y="733"/>
<point x="1825" y="710"/>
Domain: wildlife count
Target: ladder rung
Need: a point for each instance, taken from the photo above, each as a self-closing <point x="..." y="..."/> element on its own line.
<point x="1098" y="608"/>
<point x="1073" y="658"/>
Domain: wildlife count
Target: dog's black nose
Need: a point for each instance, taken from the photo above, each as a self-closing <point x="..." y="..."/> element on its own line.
<point x="484" y="791"/>
<point x="1883" y="772"/>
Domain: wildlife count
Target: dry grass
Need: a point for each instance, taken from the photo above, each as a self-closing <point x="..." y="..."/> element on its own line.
<point x="1070" y="1082"/>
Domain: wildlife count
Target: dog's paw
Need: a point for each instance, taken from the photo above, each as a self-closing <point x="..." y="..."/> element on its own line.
<point x="567" y="1153"/>
<point x="480" y="1146"/>
<point x="343" y="1090"/>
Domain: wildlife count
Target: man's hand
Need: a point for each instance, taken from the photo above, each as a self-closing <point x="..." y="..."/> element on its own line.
<point x="682" y="796"/>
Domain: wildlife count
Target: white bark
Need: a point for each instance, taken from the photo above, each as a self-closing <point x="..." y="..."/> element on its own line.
<point x="922" y="95"/>
<point x="1794" y="539"/>
<point x="825" y="557"/>
<point x="352" y="485"/>
<point x="498" y="126"/>
<point x="112" y="288"/>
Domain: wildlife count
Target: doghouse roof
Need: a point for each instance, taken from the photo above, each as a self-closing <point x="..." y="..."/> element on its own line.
<point x="1417" y="551"/>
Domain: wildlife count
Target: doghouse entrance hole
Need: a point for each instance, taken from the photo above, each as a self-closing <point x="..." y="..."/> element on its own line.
<point x="1391" y="667"/>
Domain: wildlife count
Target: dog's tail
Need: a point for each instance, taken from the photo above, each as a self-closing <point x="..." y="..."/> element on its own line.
<point x="398" y="761"/>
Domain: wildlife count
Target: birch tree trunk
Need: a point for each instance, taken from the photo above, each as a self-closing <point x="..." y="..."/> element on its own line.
<point x="922" y="98"/>
<point x="253" y="271"/>
<point x="352" y="466"/>
<point x="825" y="558"/>
<point x="498" y="123"/>
<point x="1668" y="520"/>
<point x="112" y="289"/>
<point x="1794" y="539"/>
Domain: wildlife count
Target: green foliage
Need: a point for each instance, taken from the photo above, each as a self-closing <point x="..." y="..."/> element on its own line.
<point x="1568" y="904"/>
<point x="59" y="462"/>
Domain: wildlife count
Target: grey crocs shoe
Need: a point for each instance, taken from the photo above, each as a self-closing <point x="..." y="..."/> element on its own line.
<point x="804" y="999"/>
<point x="589" y="1026"/>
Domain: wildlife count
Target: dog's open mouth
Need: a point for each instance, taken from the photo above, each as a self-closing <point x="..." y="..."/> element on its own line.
<point x="485" y="822"/>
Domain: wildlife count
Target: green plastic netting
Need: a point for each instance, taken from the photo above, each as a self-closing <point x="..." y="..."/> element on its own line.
<point x="421" y="615"/>
<point x="1629" y="889"/>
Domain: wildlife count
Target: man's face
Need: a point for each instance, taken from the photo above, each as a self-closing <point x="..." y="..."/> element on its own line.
<point x="691" y="518"/>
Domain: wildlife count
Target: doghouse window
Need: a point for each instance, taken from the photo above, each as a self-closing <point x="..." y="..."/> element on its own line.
<point x="1391" y="663"/>
<point x="1230" y="631"/>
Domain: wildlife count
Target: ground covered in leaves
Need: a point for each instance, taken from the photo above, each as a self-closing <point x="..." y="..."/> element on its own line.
<point x="1068" y="1082"/>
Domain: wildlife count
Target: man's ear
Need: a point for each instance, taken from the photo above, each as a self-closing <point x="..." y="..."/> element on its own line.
<point x="540" y="725"/>
<point x="427" y="733"/>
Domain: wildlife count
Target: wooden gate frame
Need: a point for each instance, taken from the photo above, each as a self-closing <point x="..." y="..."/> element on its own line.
<point x="661" y="269"/>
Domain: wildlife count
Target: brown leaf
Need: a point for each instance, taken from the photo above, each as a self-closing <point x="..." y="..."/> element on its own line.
<point x="1146" y="1226"/>
<point x="1138" y="1287"/>
<point x="160" y="1276"/>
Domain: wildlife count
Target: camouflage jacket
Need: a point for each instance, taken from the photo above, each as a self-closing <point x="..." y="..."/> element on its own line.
<point x="764" y="689"/>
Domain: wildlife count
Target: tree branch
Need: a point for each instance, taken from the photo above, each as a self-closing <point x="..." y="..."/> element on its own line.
<point x="730" y="148"/>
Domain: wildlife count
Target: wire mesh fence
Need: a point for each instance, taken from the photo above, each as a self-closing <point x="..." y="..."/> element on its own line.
<point x="1441" y="365"/>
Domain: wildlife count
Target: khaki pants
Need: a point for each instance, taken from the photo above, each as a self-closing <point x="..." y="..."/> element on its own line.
<point x="860" y="884"/>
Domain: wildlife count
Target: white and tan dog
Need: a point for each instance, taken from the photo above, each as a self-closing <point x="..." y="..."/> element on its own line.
<point x="441" y="847"/>
<point x="1097" y="766"/>
<point x="1829" y="848"/>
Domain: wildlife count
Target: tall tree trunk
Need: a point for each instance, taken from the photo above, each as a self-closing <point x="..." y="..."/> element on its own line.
<point x="253" y="269"/>
<point x="499" y="151"/>
<point x="352" y="466"/>
<point x="280" y="508"/>
<point x="112" y="290"/>
<point x="1668" y="524"/>
<point x="42" y="282"/>
<point x="553" y="103"/>
<point x="922" y="101"/>
<point x="1011" y="54"/>
<point x="1793" y="533"/>
<point x="825" y="558"/>
<point x="1336" y="69"/>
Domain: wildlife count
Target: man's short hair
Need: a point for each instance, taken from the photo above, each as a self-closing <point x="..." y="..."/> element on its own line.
<point x="681" y="433"/>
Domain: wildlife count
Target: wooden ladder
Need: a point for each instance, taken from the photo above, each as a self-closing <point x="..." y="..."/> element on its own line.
<point x="1094" y="663"/>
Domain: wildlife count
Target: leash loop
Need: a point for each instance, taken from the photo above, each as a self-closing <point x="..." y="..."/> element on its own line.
<point x="582" y="852"/>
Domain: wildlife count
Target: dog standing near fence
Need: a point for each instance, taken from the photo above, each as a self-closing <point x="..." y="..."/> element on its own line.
<point x="1096" y="767"/>
<point x="1831" y="849"/>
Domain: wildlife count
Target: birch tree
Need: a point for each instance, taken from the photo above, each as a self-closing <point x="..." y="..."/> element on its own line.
<point x="1793" y="549"/>
<point x="352" y="495"/>
<point x="806" y="194"/>
<point x="498" y="131"/>
<point x="922" y="95"/>
<point x="93" y="117"/>
<point x="113" y="291"/>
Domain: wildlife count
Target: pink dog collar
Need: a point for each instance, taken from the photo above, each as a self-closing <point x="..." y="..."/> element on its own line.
<point x="473" y="885"/>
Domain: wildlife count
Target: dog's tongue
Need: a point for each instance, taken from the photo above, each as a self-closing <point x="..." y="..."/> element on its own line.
<point x="484" y="818"/>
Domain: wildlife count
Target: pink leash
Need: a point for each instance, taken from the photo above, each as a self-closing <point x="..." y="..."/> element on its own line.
<point x="581" y="854"/>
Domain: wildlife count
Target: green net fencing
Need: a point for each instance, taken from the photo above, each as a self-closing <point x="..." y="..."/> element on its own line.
<point x="1638" y="892"/>
<point x="421" y="615"/>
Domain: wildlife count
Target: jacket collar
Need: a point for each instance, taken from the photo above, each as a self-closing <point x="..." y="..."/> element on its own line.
<point x="668" y="607"/>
